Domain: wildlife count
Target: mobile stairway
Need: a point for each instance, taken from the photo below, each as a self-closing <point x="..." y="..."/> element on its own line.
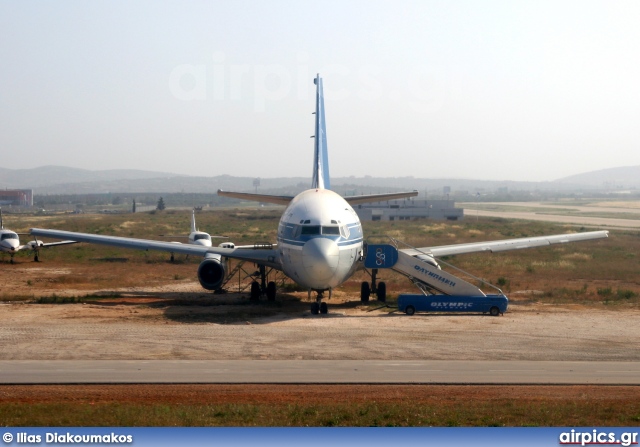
<point x="424" y="271"/>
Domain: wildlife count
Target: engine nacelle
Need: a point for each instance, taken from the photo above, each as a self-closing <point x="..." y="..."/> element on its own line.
<point x="212" y="271"/>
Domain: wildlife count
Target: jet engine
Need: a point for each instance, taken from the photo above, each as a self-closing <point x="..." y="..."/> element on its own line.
<point x="211" y="272"/>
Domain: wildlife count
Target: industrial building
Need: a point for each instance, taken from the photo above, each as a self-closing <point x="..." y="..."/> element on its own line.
<point x="16" y="197"/>
<point x="408" y="209"/>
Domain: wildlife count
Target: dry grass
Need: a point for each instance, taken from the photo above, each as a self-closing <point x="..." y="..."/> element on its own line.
<point x="321" y="406"/>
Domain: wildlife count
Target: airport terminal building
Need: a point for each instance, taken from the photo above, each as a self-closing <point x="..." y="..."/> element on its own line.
<point x="409" y="209"/>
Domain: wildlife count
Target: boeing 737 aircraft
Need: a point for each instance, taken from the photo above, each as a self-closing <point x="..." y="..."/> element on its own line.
<point x="10" y="243"/>
<point x="320" y="243"/>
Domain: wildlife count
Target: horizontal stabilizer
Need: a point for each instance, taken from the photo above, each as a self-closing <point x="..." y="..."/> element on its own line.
<point x="266" y="198"/>
<point x="355" y="200"/>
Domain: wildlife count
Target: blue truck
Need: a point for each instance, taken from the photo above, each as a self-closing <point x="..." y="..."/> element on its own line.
<point x="493" y="304"/>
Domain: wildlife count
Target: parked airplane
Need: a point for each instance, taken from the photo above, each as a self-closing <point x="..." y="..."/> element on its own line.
<point x="10" y="242"/>
<point x="197" y="237"/>
<point x="320" y="243"/>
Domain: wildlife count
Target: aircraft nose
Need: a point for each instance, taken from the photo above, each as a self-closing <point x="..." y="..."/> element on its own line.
<point x="320" y="258"/>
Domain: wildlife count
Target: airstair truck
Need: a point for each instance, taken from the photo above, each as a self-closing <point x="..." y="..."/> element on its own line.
<point x="492" y="304"/>
<point x="441" y="291"/>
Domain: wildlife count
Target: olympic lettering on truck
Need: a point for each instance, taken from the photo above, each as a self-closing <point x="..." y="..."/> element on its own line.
<point x="437" y="305"/>
<point x="435" y="276"/>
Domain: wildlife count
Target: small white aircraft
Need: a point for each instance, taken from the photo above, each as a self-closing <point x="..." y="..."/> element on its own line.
<point x="197" y="237"/>
<point x="10" y="242"/>
<point x="320" y="242"/>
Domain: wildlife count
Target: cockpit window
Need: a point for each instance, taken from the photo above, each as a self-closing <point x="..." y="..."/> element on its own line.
<point x="8" y="236"/>
<point x="331" y="230"/>
<point x="197" y="237"/>
<point x="310" y="229"/>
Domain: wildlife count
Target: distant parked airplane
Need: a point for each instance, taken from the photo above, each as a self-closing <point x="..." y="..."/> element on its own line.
<point x="10" y="242"/>
<point x="197" y="237"/>
<point x="320" y="242"/>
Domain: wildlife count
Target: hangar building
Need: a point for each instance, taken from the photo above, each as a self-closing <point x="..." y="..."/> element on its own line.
<point x="16" y="197"/>
<point x="408" y="209"/>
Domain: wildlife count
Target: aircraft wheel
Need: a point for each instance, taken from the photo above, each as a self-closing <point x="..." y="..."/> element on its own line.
<point x="382" y="292"/>
<point x="315" y="308"/>
<point x="323" y="308"/>
<point x="410" y="310"/>
<point x="271" y="291"/>
<point x="494" y="311"/>
<point x="365" y="292"/>
<point x="36" y="258"/>
<point x="255" y="291"/>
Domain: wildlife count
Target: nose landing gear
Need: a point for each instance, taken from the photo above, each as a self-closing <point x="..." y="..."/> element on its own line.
<point x="319" y="306"/>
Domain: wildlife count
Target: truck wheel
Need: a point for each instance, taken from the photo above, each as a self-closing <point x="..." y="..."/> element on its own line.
<point x="494" y="311"/>
<point x="410" y="310"/>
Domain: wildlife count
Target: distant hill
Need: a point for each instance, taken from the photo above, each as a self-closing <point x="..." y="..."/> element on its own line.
<point x="45" y="176"/>
<point x="65" y="180"/>
<point x="625" y="177"/>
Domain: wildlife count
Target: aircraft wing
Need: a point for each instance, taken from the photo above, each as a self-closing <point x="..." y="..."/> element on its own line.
<point x="262" y="254"/>
<point x="278" y="200"/>
<point x="507" y="244"/>
<point x="355" y="200"/>
<point x="40" y="244"/>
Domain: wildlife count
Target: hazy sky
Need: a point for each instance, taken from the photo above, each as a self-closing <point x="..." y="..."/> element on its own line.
<point x="512" y="90"/>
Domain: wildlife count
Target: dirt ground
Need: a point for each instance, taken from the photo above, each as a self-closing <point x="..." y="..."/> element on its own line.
<point x="178" y="320"/>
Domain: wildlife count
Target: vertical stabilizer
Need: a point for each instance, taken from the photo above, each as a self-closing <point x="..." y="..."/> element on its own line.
<point x="321" y="157"/>
<point x="193" y="221"/>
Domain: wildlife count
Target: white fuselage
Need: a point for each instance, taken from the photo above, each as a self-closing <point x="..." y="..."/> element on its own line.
<point x="9" y="241"/>
<point x="319" y="239"/>
<point x="200" y="238"/>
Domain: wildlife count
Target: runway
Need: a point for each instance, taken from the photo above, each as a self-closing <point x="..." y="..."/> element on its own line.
<point x="318" y="372"/>
<point x="562" y="216"/>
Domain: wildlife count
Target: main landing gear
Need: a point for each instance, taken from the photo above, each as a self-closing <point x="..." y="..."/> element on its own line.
<point x="378" y="289"/>
<point x="319" y="306"/>
<point x="263" y="288"/>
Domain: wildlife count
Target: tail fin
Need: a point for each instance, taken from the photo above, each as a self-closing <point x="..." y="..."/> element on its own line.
<point x="321" y="157"/>
<point x="193" y="221"/>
